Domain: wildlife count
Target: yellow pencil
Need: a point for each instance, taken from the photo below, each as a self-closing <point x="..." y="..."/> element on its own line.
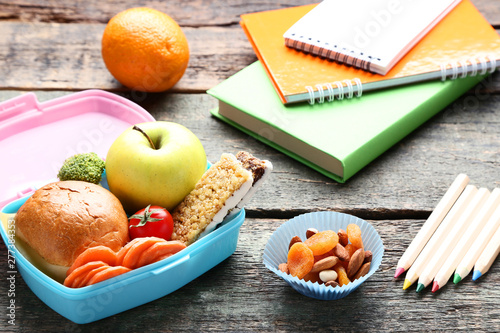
<point x="432" y="223"/>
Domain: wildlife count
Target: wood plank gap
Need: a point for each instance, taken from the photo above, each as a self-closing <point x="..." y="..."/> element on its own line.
<point x="363" y="213"/>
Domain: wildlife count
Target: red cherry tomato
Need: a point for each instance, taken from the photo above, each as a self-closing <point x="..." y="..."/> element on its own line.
<point x="152" y="221"/>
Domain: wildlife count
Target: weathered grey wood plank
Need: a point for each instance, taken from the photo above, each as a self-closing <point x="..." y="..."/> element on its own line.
<point x="240" y="294"/>
<point x="190" y="13"/>
<point x="186" y="13"/>
<point x="68" y="57"/>
<point x="406" y="181"/>
<point x="53" y="48"/>
<point x="53" y="56"/>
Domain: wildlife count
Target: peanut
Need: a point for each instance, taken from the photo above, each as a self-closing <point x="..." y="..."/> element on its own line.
<point x="328" y="275"/>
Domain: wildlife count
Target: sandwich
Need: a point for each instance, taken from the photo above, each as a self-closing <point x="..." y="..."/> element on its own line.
<point x="62" y="219"/>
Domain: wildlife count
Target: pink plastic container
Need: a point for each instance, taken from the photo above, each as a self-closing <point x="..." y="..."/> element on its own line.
<point x="49" y="132"/>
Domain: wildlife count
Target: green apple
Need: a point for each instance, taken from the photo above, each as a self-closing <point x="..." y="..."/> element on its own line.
<point x="155" y="163"/>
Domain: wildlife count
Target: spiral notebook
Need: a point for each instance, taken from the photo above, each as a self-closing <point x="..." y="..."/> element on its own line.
<point x="463" y="43"/>
<point x="372" y="35"/>
<point x="337" y="140"/>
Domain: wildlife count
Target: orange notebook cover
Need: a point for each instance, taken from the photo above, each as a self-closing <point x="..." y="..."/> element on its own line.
<point x="462" y="44"/>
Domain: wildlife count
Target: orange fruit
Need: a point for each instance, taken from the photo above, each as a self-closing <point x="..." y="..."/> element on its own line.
<point x="145" y="49"/>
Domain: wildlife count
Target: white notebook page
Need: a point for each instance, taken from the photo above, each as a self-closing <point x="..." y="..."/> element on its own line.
<point x="377" y="31"/>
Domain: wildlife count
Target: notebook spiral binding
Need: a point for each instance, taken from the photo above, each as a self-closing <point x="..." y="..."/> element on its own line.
<point x="329" y="93"/>
<point x="468" y="67"/>
<point x="459" y="69"/>
<point x="335" y="53"/>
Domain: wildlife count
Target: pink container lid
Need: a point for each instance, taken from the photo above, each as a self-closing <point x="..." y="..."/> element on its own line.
<point x="36" y="138"/>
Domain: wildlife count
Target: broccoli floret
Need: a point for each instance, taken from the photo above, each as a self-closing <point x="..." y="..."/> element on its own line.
<point x="86" y="167"/>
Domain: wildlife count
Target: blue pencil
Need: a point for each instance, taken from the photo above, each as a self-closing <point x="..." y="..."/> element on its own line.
<point x="487" y="257"/>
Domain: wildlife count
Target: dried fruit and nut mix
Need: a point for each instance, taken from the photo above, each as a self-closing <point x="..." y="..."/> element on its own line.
<point x="328" y="257"/>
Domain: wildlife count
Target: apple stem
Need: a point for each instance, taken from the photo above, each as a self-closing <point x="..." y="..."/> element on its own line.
<point x="147" y="136"/>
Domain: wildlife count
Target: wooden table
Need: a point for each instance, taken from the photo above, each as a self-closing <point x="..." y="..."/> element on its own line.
<point x="53" y="48"/>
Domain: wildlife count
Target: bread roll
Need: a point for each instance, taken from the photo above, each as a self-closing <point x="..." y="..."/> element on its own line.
<point x="64" y="218"/>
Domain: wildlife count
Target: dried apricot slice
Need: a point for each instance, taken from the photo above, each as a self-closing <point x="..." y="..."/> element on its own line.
<point x="313" y="277"/>
<point x="354" y="235"/>
<point x="324" y="255"/>
<point x="322" y="242"/>
<point x="300" y="260"/>
<point x="342" y="278"/>
<point x="350" y="248"/>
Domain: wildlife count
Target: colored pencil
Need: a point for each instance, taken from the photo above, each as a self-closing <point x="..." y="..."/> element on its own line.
<point x="487" y="257"/>
<point x="449" y="240"/>
<point x="470" y="258"/>
<point x="431" y="224"/>
<point x="446" y="271"/>
<point x="444" y="228"/>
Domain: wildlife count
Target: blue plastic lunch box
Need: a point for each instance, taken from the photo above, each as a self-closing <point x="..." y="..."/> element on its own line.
<point x="23" y="117"/>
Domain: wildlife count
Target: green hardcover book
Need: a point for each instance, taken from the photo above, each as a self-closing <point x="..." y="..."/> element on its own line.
<point x="336" y="138"/>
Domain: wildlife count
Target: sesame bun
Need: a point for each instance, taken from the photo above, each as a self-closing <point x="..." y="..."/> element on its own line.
<point x="62" y="219"/>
